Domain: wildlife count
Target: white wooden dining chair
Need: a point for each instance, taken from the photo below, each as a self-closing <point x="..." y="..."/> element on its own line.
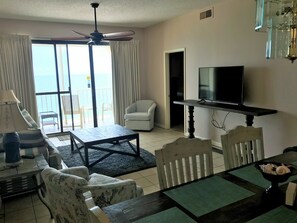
<point x="242" y="145"/>
<point x="183" y="160"/>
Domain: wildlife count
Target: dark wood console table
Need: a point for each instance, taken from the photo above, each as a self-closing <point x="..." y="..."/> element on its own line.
<point x="249" y="112"/>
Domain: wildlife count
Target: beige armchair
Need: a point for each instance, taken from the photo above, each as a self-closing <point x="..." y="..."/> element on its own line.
<point x="65" y="188"/>
<point x="140" y="115"/>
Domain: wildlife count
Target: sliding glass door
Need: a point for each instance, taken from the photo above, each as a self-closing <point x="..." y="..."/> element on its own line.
<point x="73" y="85"/>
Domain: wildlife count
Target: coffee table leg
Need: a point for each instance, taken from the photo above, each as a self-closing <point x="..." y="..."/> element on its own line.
<point x="137" y="146"/>
<point x="86" y="156"/>
<point x="71" y="141"/>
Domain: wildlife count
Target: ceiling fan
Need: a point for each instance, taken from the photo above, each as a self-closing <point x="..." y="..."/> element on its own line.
<point x="96" y="37"/>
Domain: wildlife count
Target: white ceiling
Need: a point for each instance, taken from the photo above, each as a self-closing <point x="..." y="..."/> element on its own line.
<point x="128" y="13"/>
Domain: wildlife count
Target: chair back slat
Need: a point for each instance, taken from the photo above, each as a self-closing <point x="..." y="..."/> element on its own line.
<point x="195" y="167"/>
<point x="242" y="145"/>
<point x="177" y="162"/>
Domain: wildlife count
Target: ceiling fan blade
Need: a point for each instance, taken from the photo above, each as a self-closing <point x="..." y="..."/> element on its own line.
<point x="82" y="34"/>
<point x="118" y="34"/>
<point x="125" y="38"/>
<point x="68" y="38"/>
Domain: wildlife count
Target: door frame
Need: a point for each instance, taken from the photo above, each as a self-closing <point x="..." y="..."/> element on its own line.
<point x="167" y="84"/>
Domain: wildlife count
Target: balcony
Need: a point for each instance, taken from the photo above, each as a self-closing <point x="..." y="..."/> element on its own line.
<point x="52" y="121"/>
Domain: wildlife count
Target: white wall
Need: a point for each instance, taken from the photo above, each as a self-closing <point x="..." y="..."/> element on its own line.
<point x="227" y="39"/>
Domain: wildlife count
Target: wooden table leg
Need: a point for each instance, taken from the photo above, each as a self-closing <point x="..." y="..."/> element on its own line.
<point x="72" y="143"/>
<point x="191" y="128"/>
<point x="249" y="120"/>
<point x="86" y="156"/>
<point x="137" y="146"/>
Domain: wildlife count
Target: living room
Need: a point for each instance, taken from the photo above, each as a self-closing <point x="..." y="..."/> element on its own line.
<point x="228" y="38"/>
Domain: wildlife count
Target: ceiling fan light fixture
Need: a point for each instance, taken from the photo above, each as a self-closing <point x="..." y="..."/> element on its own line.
<point x="95" y="4"/>
<point x="279" y="19"/>
<point x="96" y="37"/>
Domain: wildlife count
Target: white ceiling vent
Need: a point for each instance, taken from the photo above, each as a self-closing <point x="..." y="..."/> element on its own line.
<point x="206" y="14"/>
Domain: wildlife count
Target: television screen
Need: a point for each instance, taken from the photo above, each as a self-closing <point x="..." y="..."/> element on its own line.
<point x="221" y="84"/>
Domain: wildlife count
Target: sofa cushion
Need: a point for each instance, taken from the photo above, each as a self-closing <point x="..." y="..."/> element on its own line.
<point x="36" y="151"/>
<point x="31" y="138"/>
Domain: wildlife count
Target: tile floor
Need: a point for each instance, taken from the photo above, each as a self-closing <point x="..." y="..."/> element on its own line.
<point x="29" y="209"/>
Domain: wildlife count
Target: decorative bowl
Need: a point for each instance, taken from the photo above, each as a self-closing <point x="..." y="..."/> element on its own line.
<point x="273" y="193"/>
<point x="277" y="178"/>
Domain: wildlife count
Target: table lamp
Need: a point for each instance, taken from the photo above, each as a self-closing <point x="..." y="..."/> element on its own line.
<point x="11" y="121"/>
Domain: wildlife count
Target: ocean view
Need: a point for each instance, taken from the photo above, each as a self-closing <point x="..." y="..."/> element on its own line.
<point x="79" y="85"/>
<point x="48" y="83"/>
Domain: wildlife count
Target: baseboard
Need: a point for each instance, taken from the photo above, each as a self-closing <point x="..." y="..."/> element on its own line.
<point x="217" y="147"/>
<point x="159" y="125"/>
<point x="216" y="150"/>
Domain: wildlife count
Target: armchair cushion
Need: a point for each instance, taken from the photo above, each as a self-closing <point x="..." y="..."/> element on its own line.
<point x="138" y="116"/>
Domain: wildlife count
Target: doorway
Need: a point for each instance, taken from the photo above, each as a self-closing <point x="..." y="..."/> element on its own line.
<point x="175" y="88"/>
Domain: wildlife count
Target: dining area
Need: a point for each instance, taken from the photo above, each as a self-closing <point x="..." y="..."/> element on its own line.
<point x="244" y="192"/>
<point x="235" y="195"/>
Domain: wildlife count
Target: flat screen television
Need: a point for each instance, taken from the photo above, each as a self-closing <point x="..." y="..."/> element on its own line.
<point x="221" y="84"/>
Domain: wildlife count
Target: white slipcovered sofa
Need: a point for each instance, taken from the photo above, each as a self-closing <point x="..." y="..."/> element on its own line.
<point x="140" y="115"/>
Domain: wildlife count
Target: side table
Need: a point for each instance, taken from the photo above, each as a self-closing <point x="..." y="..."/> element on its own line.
<point x="53" y="116"/>
<point x="28" y="168"/>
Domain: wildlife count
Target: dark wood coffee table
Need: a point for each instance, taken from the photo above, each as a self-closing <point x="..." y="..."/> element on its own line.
<point x="87" y="139"/>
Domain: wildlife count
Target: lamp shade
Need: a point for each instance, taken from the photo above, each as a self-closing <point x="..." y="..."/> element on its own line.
<point x="7" y="96"/>
<point x="11" y="119"/>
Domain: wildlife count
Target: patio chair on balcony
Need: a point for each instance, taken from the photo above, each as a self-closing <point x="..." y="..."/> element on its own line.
<point x="76" y="109"/>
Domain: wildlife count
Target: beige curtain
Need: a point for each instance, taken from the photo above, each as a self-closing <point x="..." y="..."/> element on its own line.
<point x="16" y="70"/>
<point x="125" y="72"/>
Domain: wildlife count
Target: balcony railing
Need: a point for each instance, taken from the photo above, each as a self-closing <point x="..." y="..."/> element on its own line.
<point x="50" y="103"/>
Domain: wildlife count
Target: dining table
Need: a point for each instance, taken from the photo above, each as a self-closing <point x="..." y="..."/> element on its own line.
<point x="232" y="196"/>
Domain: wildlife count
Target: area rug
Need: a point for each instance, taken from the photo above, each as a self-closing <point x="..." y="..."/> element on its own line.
<point x="114" y="165"/>
<point x="63" y="137"/>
